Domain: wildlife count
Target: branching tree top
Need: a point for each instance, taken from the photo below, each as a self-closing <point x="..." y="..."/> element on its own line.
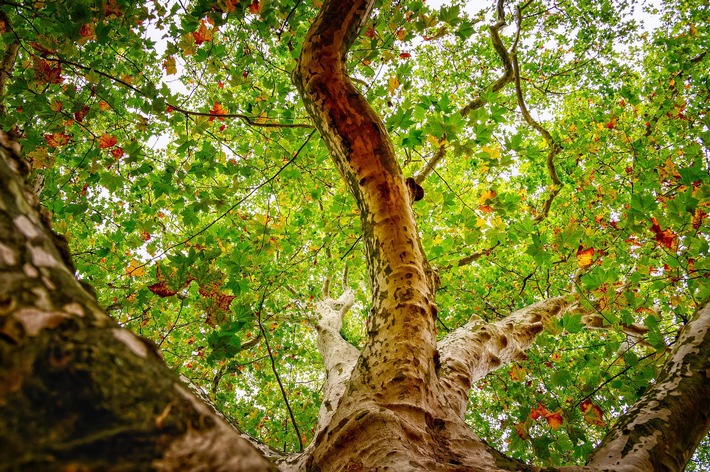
<point x="354" y="235"/>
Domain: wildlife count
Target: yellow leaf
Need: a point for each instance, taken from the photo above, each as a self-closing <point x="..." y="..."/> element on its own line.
<point x="487" y="195"/>
<point x="585" y="256"/>
<point x="494" y="152"/>
<point x="135" y="269"/>
<point x="393" y="84"/>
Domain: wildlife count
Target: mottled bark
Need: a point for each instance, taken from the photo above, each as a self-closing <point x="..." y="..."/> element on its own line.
<point x="470" y="352"/>
<point x="78" y="392"/>
<point x="663" y="429"/>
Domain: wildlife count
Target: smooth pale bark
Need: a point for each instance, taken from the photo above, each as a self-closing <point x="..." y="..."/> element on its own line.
<point x="77" y="391"/>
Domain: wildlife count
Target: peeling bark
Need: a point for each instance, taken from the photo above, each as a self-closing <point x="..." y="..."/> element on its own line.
<point x="78" y="392"/>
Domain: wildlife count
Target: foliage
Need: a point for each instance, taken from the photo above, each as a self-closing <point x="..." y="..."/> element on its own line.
<point x="180" y="165"/>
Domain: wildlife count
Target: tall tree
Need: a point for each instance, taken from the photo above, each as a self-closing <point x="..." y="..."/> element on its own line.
<point x="213" y="226"/>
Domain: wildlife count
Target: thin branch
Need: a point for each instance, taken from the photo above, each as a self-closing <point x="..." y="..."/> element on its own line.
<point x="250" y="120"/>
<point x="276" y="373"/>
<point x="478" y="102"/>
<point x="554" y="147"/>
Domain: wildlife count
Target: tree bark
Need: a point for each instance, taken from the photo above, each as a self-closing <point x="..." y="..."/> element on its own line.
<point x="77" y="391"/>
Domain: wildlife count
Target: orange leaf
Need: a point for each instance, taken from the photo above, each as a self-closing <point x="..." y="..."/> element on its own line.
<point x="103" y="105"/>
<point x="487" y="195"/>
<point x="585" y="256"/>
<point x="134" y="269"/>
<point x="555" y="420"/>
<point x="255" y="7"/>
<point x="107" y="141"/>
<point x="522" y="430"/>
<point x="517" y="373"/>
<point x="217" y="109"/>
<point x="405" y="55"/>
<point x="202" y="34"/>
<point x="486" y="209"/>
<point x="117" y="153"/>
<point x="87" y="30"/>
<point x="48" y="72"/>
<point x="592" y="413"/>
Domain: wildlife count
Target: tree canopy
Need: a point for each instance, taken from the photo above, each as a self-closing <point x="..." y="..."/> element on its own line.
<point x="552" y="150"/>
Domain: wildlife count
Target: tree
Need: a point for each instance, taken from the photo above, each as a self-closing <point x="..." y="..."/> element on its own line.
<point x="535" y="281"/>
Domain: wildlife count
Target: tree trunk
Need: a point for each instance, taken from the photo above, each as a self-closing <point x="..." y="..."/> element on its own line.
<point x="78" y="392"/>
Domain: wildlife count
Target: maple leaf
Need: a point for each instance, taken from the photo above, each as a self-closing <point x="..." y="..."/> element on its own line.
<point x="255" y="7"/>
<point x="48" y="72"/>
<point x="555" y="420"/>
<point x="134" y="269"/>
<point x="698" y="217"/>
<point x="585" y="256"/>
<point x="217" y="109"/>
<point x="56" y="106"/>
<point x="81" y="114"/>
<point x="405" y="55"/>
<point x="487" y="195"/>
<point x="104" y="106"/>
<point x="522" y="430"/>
<point x="112" y="9"/>
<point x="44" y="51"/>
<point x="162" y="290"/>
<point x="486" y="208"/>
<point x="169" y="65"/>
<point x="57" y="139"/>
<point x="592" y="413"/>
<point x="370" y="33"/>
<point x="202" y="34"/>
<point x="393" y="84"/>
<point x="117" y="153"/>
<point x="517" y="373"/>
<point x="664" y="237"/>
<point x="86" y="30"/>
<point x="106" y="141"/>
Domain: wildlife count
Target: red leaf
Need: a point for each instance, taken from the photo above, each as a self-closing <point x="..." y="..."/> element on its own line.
<point x="117" y="153"/>
<point x="57" y="139"/>
<point x="664" y="237"/>
<point x="592" y="413"/>
<point x="48" y="72"/>
<point x="255" y="7"/>
<point x="405" y="55"/>
<point x="202" y="34"/>
<point x="162" y="290"/>
<point x="81" y="114"/>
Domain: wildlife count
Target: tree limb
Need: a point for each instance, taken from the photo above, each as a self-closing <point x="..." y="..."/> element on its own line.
<point x="470" y="352"/>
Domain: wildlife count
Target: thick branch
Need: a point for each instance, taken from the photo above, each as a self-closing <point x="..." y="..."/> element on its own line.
<point x="104" y="396"/>
<point x="472" y="351"/>
<point x="655" y="434"/>
<point x="402" y="325"/>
